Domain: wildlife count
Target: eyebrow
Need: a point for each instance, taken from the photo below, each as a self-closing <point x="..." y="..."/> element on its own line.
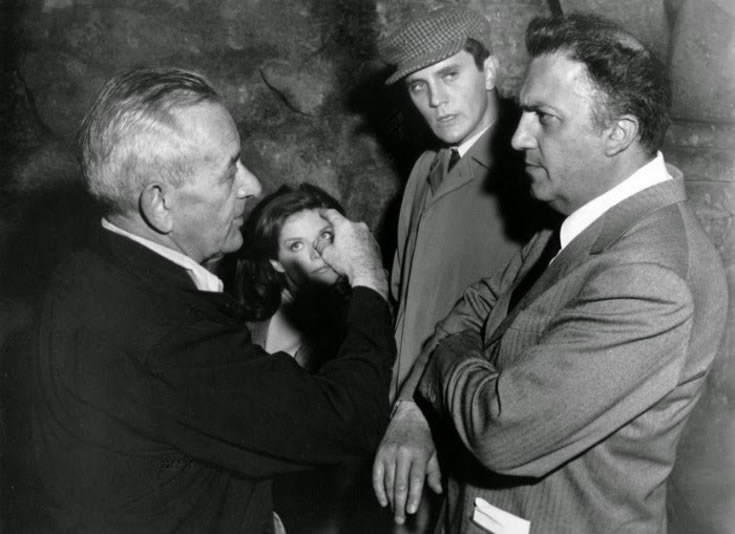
<point x="288" y="240"/>
<point x="232" y="164"/>
<point x="527" y="107"/>
<point x="545" y="108"/>
<point x="446" y="68"/>
<point x="235" y="159"/>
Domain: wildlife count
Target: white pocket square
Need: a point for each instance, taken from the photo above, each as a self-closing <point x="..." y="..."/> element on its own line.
<point x="497" y="521"/>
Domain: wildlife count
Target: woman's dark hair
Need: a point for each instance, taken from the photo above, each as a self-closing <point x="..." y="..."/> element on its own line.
<point x="258" y="285"/>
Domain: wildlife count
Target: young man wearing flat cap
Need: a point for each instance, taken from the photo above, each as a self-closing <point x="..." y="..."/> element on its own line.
<point x="450" y="232"/>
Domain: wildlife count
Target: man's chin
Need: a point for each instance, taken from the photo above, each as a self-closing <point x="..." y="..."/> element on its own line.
<point x="540" y="191"/>
<point x="449" y="137"/>
<point x="233" y="244"/>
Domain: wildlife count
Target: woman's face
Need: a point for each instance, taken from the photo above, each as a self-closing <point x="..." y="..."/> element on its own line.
<point x="297" y="257"/>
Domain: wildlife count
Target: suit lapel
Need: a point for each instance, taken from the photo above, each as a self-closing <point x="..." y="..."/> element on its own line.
<point x="572" y="255"/>
<point x="621" y="218"/>
<point x="595" y="239"/>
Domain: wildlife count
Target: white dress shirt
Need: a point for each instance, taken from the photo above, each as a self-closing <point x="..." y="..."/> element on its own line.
<point x="652" y="173"/>
<point x="202" y="278"/>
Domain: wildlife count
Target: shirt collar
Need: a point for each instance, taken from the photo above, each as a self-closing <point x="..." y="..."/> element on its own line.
<point x="464" y="147"/>
<point x="652" y="173"/>
<point x="202" y="278"/>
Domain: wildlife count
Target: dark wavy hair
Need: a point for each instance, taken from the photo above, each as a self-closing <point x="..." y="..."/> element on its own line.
<point x="629" y="78"/>
<point x="478" y="51"/>
<point x="258" y="286"/>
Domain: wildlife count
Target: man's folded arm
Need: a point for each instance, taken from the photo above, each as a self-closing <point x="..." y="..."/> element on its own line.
<point x="610" y="354"/>
<point x="470" y="312"/>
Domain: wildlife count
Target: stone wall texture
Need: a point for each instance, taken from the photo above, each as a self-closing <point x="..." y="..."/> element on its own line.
<point x="305" y="88"/>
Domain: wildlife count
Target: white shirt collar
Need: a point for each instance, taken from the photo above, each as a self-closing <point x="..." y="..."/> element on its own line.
<point x="467" y="144"/>
<point x="652" y="173"/>
<point x="202" y="278"/>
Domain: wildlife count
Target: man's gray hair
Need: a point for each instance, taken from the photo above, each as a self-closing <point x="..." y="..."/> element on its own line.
<point x="130" y="137"/>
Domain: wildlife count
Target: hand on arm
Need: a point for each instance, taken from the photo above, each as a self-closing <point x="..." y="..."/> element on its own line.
<point x="405" y="458"/>
<point x="354" y="253"/>
<point x="407" y="454"/>
<point x="593" y="369"/>
<point x="469" y="313"/>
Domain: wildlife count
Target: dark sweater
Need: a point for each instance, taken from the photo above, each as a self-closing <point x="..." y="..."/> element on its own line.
<point x="154" y="412"/>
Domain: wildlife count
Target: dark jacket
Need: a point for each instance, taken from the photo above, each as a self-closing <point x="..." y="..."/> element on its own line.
<point x="154" y="412"/>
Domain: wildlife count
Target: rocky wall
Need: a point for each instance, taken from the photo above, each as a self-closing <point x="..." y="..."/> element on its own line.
<point x="305" y="88"/>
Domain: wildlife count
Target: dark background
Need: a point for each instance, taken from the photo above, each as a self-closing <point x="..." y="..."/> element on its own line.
<point x="303" y="84"/>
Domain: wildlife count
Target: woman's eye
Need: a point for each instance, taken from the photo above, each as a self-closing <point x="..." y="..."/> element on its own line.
<point x="295" y="247"/>
<point x="451" y="75"/>
<point x="328" y="235"/>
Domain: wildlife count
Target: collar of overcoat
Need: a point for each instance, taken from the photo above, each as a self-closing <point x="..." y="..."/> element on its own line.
<point x="463" y="173"/>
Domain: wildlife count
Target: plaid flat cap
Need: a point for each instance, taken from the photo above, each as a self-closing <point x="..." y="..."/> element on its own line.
<point x="431" y="38"/>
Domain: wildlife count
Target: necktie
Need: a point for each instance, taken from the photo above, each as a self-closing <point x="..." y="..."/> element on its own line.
<point x="551" y="249"/>
<point x="453" y="159"/>
<point x="437" y="173"/>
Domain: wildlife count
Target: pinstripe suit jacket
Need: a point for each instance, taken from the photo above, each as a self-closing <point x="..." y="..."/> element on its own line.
<point x="567" y="410"/>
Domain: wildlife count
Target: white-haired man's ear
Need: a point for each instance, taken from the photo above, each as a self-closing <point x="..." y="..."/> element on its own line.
<point x="154" y="203"/>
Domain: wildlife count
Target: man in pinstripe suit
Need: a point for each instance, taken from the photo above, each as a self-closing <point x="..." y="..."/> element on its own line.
<point x="557" y="389"/>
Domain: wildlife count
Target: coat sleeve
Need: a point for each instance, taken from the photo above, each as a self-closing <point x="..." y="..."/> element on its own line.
<point x="469" y="313"/>
<point x="418" y="173"/>
<point x="207" y="391"/>
<point x="606" y="357"/>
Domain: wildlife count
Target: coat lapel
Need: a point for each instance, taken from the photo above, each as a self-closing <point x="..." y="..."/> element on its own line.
<point x="623" y="216"/>
<point x="461" y="174"/>
<point x="595" y="239"/>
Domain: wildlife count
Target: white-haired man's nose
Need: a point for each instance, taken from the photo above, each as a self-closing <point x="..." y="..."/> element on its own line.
<point x="249" y="185"/>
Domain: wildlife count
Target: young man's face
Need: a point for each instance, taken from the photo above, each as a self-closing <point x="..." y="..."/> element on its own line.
<point x="452" y="96"/>
<point x="209" y="208"/>
<point x="564" y="148"/>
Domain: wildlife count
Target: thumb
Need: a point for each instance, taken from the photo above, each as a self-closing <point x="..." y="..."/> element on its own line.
<point x="332" y="216"/>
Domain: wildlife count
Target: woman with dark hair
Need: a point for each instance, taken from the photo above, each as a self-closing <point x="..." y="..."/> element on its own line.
<point x="293" y="299"/>
<point x="296" y="303"/>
